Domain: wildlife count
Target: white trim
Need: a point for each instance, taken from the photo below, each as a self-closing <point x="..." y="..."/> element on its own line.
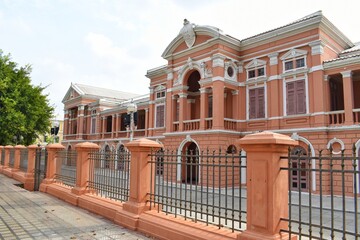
<point x="295" y="136"/>
<point x="179" y="154"/>
<point x="293" y="54"/>
<point x="274" y="77"/>
<point x="273" y="58"/>
<point x="346" y="74"/>
<point x="316" y="68"/>
<point x="218" y="78"/>
<point x="357" y="145"/>
<point x="317" y="47"/>
<point x="335" y="140"/>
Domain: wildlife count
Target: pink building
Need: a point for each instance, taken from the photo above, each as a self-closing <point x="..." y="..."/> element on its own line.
<point x="300" y="79"/>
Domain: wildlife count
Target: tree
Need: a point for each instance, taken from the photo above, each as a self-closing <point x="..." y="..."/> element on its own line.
<point x="24" y="109"/>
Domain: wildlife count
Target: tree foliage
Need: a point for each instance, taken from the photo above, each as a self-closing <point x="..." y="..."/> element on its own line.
<point x="24" y="109"/>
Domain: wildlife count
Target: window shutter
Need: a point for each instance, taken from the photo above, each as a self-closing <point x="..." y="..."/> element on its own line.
<point x="290" y="98"/>
<point x="252" y="103"/>
<point x="300" y="97"/>
<point x="261" y="102"/>
<point x="160" y="116"/>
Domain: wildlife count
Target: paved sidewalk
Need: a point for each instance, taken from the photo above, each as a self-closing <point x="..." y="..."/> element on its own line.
<point x="35" y="215"/>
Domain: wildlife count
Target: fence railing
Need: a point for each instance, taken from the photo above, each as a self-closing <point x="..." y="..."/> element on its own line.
<point x="109" y="174"/>
<point x="323" y="195"/>
<point x="66" y="174"/>
<point x="23" y="160"/>
<point x="204" y="187"/>
<point x="12" y="158"/>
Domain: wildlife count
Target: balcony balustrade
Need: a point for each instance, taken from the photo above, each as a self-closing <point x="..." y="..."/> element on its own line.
<point x="190" y="125"/>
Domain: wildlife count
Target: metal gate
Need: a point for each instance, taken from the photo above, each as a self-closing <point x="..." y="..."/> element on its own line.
<point x="40" y="167"/>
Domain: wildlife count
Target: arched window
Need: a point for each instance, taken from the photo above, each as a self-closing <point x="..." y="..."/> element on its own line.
<point x="231" y="149"/>
<point x="299" y="174"/>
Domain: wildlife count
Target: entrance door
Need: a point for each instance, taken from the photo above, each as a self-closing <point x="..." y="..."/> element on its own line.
<point x="40" y="167"/>
<point x="299" y="164"/>
<point x="190" y="164"/>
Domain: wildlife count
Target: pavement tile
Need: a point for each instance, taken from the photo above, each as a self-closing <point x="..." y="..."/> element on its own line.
<point x="36" y="215"/>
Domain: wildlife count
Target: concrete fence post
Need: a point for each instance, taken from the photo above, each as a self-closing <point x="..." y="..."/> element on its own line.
<point x="267" y="185"/>
<point x="140" y="173"/>
<point x="2" y="156"/>
<point x="29" y="176"/>
<point x="51" y="164"/>
<point x="18" y="149"/>
<point x="7" y="155"/>
<point x="83" y="166"/>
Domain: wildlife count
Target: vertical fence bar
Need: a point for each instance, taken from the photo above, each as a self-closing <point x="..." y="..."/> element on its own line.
<point x="355" y="175"/>
<point x="321" y="191"/>
<point x="343" y="192"/>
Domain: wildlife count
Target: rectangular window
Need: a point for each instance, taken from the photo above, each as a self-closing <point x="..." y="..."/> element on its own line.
<point x="93" y="125"/>
<point x="289" y="65"/>
<point x="210" y="106"/>
<point x="160" y="94"/>
<point x="251" y="74"/>
<point x="160" y="115"/>
<point x="256" y="103"/>
<point x="300" y="63"/>
<point x="295" y="97"/>
<point x="260" y="72"/>
<point x="108" y="123"/>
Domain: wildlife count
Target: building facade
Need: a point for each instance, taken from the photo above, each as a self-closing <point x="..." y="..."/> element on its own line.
<point x="301" y="79"/>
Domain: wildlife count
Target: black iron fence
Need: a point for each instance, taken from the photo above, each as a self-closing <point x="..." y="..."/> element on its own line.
<point x="202" y="186"/>
<point x="24" y="159"/>
<point x="323" y="195"/>
<point x="40" y="167"/>
<point x="66" y="173"/>
<point x="109" y="174"/>
<point x="12" y="158"/>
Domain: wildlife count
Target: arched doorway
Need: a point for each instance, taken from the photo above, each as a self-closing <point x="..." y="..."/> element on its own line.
<point x="190" y="164"/>
<point x="299" y="174"/>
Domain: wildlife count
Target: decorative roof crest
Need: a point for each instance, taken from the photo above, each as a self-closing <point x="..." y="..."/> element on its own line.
<point x="188" y="33"/>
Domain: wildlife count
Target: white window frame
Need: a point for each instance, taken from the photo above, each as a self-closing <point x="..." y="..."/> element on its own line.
<point x="293" y="55"/>
<point x="255" y="65"/>
<point x="248" y="101"/>
<point x="160" y="89"/>
<point x="305" y="78"/>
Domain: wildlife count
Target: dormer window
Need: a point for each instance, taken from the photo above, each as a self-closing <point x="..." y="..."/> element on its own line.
<point x="294" y="59"/>
<point x="255" y="69"/>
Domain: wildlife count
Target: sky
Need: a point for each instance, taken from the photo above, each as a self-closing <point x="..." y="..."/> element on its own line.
<point x="112" y="43"/>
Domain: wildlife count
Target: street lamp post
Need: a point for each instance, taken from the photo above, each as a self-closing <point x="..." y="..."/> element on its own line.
<point x="131" y="109"/>
<point x="55" y="130"/>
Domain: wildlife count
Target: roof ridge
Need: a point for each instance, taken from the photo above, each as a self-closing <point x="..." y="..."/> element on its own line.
<point x="315" y="14"/>
<point x="86" y="85"/>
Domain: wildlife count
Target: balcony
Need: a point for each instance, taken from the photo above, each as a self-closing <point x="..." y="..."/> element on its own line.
<point x="356" y="114"/>
<point x="336" y="117"/>
<point x="190" y="125"/>
<point x="230" y="124"/>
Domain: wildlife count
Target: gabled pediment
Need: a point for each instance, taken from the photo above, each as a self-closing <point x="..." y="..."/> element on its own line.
<point x="293" y="53"/>
<point x="159" y="88"/>
<point x="255" y="63"/>
<point x="72" y="92"/>
<point x="190" y="36"/>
